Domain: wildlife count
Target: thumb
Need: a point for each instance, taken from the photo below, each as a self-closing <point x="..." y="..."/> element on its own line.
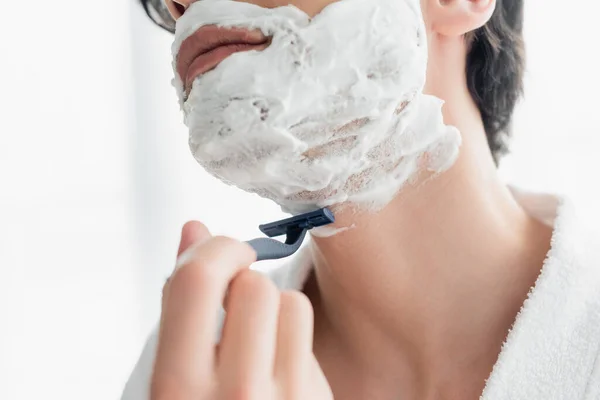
<point x="192" y="232"/>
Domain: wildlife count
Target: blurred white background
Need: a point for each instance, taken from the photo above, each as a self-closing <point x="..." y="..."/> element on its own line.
<point x="96" y="178"/>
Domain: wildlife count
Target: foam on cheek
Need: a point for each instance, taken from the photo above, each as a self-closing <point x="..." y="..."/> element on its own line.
<point x="331" y="112"/>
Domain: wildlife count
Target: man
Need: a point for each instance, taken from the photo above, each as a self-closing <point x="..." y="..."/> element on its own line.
<point x="458" y="287"/>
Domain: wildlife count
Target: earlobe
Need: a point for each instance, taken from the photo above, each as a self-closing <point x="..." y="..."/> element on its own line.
<point x="458" y="17"/>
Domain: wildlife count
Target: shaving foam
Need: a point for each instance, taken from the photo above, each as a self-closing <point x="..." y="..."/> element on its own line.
<point x="331" y="113"/>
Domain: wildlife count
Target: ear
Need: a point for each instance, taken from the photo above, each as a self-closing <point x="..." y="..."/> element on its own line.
<point x="458" y="17"/>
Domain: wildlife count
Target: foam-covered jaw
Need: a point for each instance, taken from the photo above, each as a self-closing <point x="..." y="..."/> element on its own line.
<point x="332" y="111"/>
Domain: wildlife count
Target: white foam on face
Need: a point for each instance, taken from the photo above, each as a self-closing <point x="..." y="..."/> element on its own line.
<point x="331" y="112"/>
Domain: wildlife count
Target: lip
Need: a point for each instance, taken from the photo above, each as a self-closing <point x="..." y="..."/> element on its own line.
<point x="209" y="45"/>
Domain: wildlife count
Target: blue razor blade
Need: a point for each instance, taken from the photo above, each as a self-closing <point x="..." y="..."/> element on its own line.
<point x="294" y="228"/>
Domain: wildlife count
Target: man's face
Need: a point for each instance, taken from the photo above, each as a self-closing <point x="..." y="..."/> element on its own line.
<point x="330" y="111"/>
<point x="310" y="7"/>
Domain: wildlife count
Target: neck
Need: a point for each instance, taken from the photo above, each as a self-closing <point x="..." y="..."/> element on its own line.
<point x="439" y="273"/>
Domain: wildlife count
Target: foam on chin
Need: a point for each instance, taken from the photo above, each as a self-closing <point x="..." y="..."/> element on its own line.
<point x="331" y="112"/>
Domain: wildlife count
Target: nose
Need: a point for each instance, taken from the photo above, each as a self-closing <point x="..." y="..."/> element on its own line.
<point x="178" y="7"/>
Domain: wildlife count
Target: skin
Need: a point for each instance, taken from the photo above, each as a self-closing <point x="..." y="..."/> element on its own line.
<point x="413" y="303"/>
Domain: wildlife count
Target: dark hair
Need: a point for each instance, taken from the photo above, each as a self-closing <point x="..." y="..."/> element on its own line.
<point x="495" y="67"/>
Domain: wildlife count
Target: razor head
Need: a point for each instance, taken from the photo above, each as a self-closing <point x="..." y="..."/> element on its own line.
<point x="297" y="223"/>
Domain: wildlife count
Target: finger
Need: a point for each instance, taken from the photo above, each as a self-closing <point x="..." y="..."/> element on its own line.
<point x="247" y="347"/>
<point x="294" y="342"/>
<point x="192" y="232"/>
<point x="189" y="322"/>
